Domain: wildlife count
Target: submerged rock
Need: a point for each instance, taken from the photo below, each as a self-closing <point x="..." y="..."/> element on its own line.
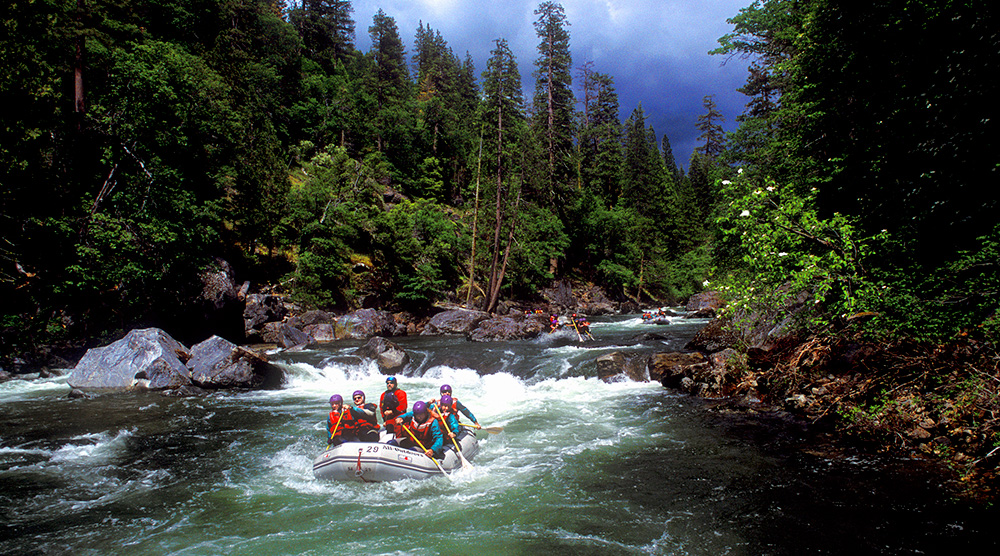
<point x="146" y="358"/>
<point x="617" y="366"/>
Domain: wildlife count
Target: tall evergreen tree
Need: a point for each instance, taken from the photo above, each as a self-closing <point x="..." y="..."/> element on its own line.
<point x="668" y="159"/>
<point x="326" y="28"/>
<point x="391" y="91"/>
<point x="503" y="119"/>
<point x="554" y="103"/>
<point x="601" y="156"/>
<point x="710" y="126"/>
<point x="644" y="181"/>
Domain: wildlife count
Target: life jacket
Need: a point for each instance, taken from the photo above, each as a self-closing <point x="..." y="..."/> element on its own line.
<point x="422" y="430"/>
<point x="347" y="422"/>
<point x="367" y="422"/>
<point x="400" y="404"/>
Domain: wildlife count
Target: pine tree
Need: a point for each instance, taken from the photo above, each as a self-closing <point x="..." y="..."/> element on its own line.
<point x="601" y="156"/>
<point x="644" y="180"/>
<point x="446" y="98"/>
<point x="326" y="28"/>
<point x="390" y="82"/>
<point x="554" y="103"/>
<point x="503" y="118"/>
<point x="668" y="159"/>
<point x="710" y="126"/>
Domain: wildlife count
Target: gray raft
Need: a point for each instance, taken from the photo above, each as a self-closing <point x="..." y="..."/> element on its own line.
<point x="372" y="462"/>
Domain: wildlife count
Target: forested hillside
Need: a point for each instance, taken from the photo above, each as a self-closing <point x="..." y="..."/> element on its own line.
<point x="867" y="164"/>
<point x="143" y="140"/>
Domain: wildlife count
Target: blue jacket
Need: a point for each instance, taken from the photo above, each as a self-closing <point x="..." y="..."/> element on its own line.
<point x="435" y="430"/>
<point x="452" y="421"/>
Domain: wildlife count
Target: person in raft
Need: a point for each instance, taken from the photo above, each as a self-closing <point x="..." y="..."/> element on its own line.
<point x="422" y="427"/>
<point x="392" y="404"/>
<point x="365" y="417"/>
<point x="340" y="425"/>
<point x="445" y="412"/>
<point x="456" y="406"/>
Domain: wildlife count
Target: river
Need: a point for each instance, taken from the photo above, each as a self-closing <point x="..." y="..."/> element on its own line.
<point x="581" y="467"/>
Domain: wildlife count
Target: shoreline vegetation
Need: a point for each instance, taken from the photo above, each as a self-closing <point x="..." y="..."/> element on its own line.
<point x="159" y="166"/>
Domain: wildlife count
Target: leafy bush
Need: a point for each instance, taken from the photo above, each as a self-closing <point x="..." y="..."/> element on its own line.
<point x="785" y="248"/>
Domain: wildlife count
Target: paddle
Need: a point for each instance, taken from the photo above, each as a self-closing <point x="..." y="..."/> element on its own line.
<point x="334" y="431"/>
<point x="409" y="432"/>
<point x="575" y="327"/>
<point x="491" y="430"/>
<point x="458" y="450"/>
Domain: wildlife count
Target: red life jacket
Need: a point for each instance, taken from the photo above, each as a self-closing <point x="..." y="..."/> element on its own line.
<point x="422" y="430"/>
<point x="347" y="422"/>
<point x="400" y="404"/>
<point x="370" y="423"/>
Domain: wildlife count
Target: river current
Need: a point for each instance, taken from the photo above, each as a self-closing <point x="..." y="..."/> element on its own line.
<point x="581" y="467"/>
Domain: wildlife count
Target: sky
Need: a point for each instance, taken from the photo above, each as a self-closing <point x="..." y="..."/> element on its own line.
<point x="656" y="50"/>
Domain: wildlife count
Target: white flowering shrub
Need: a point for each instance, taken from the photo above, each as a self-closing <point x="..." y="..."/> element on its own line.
<point x="780" y="248"/>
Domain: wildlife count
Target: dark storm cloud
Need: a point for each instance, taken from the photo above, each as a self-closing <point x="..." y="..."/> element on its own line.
<point x="657" y="51"/>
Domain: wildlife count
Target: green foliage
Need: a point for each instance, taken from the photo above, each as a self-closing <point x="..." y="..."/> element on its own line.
<point x="863" y="113"/>
<point x="786" y="249"/>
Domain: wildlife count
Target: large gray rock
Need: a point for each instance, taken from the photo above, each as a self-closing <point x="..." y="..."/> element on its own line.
<point x="259" y="310"/>
<point x="694" y="373"/>
<point x="146" y="358"/>
<point x="311" y="318"/>
<point x="455" y="321"/>
<point x="321" y="332"/>
<point x="717" y="335"/>
<point x="286" y="336"/>
<point x="705" y="300"/>
<point x="219" y="363"/>
<point x="391" y="358"/>
<point x="366" y="323"/>
<point x="512" y="327"/>
<point x="617" y="366"/>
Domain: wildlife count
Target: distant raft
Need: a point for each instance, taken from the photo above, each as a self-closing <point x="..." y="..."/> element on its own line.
<point x="375" y="462"/>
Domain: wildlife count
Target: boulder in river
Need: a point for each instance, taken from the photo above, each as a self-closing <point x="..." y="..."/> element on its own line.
<point x="511" y="327"/>
<point x="705" y="301"/>
<point x="144" y="358"/>
<point x="390" y="357"/>
<point x="321" y="332"/>
<point x="366" y="323"/>
<point x="454" y="321"/>
<point x="616" y="366"/>
<point x="219" y="363"/>
<point x="259" y="310"/>
<point x="286" y="336"/>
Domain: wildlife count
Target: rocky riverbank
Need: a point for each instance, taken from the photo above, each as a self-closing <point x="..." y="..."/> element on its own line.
<point x="929" y="401"/>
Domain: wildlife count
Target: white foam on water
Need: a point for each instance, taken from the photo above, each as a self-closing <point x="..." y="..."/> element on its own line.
<point x="97" y="448"/>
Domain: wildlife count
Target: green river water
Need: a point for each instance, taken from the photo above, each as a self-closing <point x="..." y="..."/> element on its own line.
<point x="581" y="467"/>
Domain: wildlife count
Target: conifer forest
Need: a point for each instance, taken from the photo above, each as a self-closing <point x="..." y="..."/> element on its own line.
<point x="143" y="141"/>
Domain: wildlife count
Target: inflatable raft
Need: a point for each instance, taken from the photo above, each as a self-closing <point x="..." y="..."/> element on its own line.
<point x="372" y="462"/>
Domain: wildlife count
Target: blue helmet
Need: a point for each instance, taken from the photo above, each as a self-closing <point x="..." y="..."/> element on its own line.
<point x="391" y="379"/>
<point x="336" y="398"/>
<point x="419" y="408"/>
